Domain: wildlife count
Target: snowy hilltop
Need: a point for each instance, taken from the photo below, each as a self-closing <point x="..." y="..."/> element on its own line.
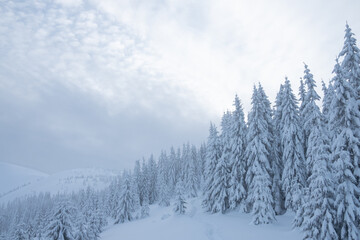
<point x="19" y="182"/>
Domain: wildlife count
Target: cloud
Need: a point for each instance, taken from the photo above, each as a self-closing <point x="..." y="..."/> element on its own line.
<point x="70" y="3"/>
<point x="64" y="128"/>
<point x="79" y="89"/>
<point x="223" y="47"/>
<point x="107" y="82"/>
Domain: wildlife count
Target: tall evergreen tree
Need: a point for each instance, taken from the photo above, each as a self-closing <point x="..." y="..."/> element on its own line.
<point x="152" y="175"/>
<point x="135" y="192"/>
<point x="344" y="122"/>
<point x="172" y="170"/>
<point x="145" y="210"/>
<point x="62" y="224"/>
<point x="277" y="120"/>
<point x="137" y="181"/>
<point x="202" y="158"/>
<point x="180" y="203"/>
<point x="318" y="211"/>
<point x="310" y="114"/>
<point x="238" y="162"/>
<point x="220" y="193"/>
<point x="274" y="154"/>
<point x="83" y="232"/>
<point x="293" y="177"/>
<point x="213" y="155"/>
<point x="20" y="233"/>
<point x="125" y="210"/>
<point x="163" y="187"/>
<point x="196" y="176"/>
<point x="258" y="176"/>
<point x="326" y="103"/>
<point x="113" y="196"/>
<point x="302" y="95"/>
<point x="350" y="64"/>
<point x="302" y="102"/>
<point x="190" y="173"/>
<point x="278" y="128"/>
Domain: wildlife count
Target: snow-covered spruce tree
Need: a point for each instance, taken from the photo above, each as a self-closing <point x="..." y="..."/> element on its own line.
<point x="95" y="219"/>
<point x="185" y="155"/>
<point x="190" y="174"/>
<point x="41" y="219"/>
<point x="86" y="208"/>
<point x="298" y="221"/>
<point x="172" y="170"/>
<point x="113" y="197"/>
<point x="213" y="155"/>
<point x="277" y="120"/>
<point x="196" y="160"/>
<point x="125" y="210"/>
<point x="83" y="231"/>
<point x="16" y="220"/>
<point x="319" y="213"/>
<point x="180" y="203"/>
<point x="326" y="103"/>
<point x="152" y="170"/>
<point x="20" y="233"/>
<point x="220" y="190"/>
<point x="350" y="64"/>
<point x="145" y="209"/>
<point x="302" y="94"/>
<point x="202" y="159"/>
<point x="293" y="177"/>
<point x="3" y="222"/>
<point x="163" y="188"/>
<point x="309" y="115"/>
<point x="179" y="165"/>
<point x="302" y="102"/>
<point x="258" y="176"/>
<point x="238" y="163"/>
<point x="30" y="229"/>
<point x="279" y="199"/>
<point x="62" y="225"/>
<point x="344" y="122"/>
<point x="137" y="181"/>
<point x="276" y="165"/>
<point x="135" y="196"/>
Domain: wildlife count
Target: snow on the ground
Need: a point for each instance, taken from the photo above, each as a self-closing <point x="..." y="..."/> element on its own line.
<point x="163" y="224"/>
<point x="63" y="182"/>
<point x="13" y="177"/>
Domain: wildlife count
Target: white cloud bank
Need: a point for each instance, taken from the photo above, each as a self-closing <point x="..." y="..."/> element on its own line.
<point x="103" y="83"/>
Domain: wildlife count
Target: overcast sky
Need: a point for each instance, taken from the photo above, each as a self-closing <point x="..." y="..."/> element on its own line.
<point x="102" y="83"/>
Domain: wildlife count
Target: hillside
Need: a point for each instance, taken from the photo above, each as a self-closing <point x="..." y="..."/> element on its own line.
<point x="16" y="181"/>
<point x="13" y="177"/>
<point x="163" y="224"/>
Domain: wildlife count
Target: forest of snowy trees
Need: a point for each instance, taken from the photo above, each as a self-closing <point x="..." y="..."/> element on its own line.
<point x="293" y="156"/>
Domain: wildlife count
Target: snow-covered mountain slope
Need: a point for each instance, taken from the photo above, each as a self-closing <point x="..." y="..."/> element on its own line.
<point x="62" y="182"/>
<point x="163" y="224"/>
<point x="13" y="177"/>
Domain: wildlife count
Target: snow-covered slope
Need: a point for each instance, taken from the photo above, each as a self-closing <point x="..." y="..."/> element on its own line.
<point x="163" y="224"/>
<point x="13" y="177"/>
<point x="62" y="182"/>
